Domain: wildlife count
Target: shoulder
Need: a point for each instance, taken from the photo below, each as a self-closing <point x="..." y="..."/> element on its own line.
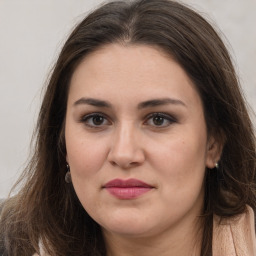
<point x="235" y="235"/>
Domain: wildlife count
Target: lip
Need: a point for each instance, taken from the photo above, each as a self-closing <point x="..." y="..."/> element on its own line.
<point x="127" y="189"/>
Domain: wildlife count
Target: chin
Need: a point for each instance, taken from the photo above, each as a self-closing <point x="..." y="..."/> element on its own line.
<point x="131" y="231"/>
<point x="129" y="226"/>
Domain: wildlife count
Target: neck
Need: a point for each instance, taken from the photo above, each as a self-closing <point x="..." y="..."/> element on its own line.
<point x="168" y="243"/>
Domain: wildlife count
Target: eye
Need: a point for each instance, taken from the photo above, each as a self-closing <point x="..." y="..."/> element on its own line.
<point x="95" y="120"/>
<point x="160" y="120"/>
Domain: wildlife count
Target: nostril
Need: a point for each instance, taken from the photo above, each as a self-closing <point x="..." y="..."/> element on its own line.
<point x="113" y="163"/>
<point x="124" y="165"/>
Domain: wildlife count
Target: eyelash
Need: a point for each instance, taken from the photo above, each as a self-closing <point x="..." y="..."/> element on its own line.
<point x="165" y="117"/>
<point x="85" y="119"/>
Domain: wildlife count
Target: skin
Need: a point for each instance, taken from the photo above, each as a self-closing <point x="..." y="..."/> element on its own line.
<point x="169" y="152"/>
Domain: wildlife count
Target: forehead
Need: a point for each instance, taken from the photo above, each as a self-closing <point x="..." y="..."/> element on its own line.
<point x="139" y="71"/>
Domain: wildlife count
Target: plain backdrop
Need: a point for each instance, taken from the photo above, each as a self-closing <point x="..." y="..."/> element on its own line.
<point x="31" y="35"/>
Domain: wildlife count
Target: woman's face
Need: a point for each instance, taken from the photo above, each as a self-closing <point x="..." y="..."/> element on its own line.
<point x="136" y="141"/>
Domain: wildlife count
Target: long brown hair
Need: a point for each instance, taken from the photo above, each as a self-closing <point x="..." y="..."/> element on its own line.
<point x="47" y="209"/>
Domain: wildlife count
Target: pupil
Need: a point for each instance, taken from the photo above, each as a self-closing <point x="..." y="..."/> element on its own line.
<point x="98" y="120"/>
<point x="158" y="120"/>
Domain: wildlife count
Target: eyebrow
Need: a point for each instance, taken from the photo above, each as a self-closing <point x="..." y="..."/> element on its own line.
<point x="144" y="104"/>
<point x="160" y="102"/>
<point x="93" y="102"/>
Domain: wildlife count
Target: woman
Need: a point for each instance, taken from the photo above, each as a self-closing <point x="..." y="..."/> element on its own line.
<point x="144" y="144"/>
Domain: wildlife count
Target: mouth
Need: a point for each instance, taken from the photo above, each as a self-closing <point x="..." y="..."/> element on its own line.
<point x="127" y="189"/>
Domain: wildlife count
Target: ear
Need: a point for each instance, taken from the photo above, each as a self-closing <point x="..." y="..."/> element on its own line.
<point x="67" y="158"/>
<point x="214" y="150"/>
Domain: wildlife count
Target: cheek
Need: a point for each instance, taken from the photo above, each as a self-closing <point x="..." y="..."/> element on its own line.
<point x="84" y="155"/>
<point x="86" y="159"/>
<point x="182" y="170"/>
<point x="181" y="162"/>
<point x="179" y="151"/>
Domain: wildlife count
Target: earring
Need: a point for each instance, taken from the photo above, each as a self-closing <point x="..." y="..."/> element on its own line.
<point x="68" y="175"/>
<point x="216" y="165"/>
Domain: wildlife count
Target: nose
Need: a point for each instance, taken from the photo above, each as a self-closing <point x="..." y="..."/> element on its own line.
<point x="126" y="150"/>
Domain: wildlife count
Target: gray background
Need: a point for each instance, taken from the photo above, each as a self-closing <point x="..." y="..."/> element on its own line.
<point x="31" y="35"/>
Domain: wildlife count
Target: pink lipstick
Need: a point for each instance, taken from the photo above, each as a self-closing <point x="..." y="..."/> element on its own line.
<point x="127" y="189"/>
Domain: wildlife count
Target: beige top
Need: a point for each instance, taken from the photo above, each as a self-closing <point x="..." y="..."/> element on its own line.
<point x="231" y="237"/>
<point x="234" y="236"/>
